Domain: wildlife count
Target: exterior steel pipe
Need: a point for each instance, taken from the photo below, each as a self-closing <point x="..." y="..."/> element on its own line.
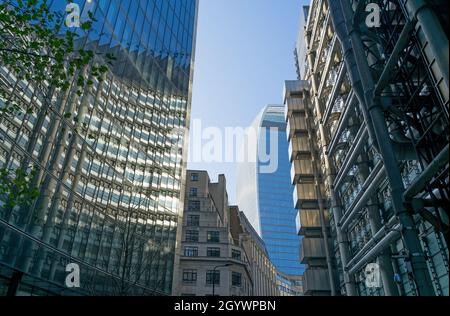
<point x="377" y="249"/>
<point x="342" y="123"/>
<point x="376" y="223"/>
<point x="334" y="93"/>
<point x="369" y="187"/>
<point x="343" y="244"/>
<point x="376" y="115"/>
<point x="373" y="241"/>
<point x="393" y="60"/>
<point x="433" y="41"/>
<point x="355" y="150"/>
<point x="328" y="63"/>
<point x="419" y="184"/>
<point x="339" y="23"/>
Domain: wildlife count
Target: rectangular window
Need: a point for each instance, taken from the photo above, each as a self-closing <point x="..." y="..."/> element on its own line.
<point x="212" y="277"/>
<point x="213" y="252"/>
<point x="193" y="192"/>
<point x="194" y="177"/>
<point x="193" y="220"/>
<point x="194" y="206"/>
<point x="236" y="279"/>
<point x="189" y="276"/>
<point x="213" y="236"/>
<point x="192" y="236"/>
<point x="191" y="252"/>
<point x="235" y="254"/>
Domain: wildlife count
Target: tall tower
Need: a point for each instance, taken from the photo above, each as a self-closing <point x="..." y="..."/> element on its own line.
<point x="264" y="192"/>
<point x="110" y="175"/>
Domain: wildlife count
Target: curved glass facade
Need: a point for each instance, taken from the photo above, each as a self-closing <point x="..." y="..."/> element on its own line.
<point x="110" y="175"/>
<point x="268" y="193"/>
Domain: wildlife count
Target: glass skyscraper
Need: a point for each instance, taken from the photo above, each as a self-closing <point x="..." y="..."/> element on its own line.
<point x="110" y="175"/>
<point x="264" y="191"/>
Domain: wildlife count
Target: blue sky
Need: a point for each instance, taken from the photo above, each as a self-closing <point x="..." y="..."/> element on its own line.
<point x="244" y="53"/>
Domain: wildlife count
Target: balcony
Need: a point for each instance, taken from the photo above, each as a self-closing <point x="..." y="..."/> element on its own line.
<point x="298" y="145"/>
<point x="309" y="220"/>
<point x="301" y="168"/>
<point x="316" y="282"/>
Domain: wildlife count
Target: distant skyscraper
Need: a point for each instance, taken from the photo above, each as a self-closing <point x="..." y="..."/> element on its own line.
<point x="264" y="191"/>
<point x="110" y="175"/>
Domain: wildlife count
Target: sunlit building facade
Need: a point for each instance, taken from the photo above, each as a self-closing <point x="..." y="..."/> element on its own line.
<point x="373" y="121"/>
<point x="300" y="47"/>
<point x="264" y="273"/>
<point x="109" y="174"/>
<point x="213" y="262"/>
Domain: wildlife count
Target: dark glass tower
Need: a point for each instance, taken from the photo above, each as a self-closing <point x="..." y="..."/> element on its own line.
<point x="264" y="191"/>
<point x="109" y="176"/>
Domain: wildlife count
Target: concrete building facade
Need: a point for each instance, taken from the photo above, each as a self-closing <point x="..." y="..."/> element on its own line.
<point x="211" y="261"/>
<point x="264" y="273"/>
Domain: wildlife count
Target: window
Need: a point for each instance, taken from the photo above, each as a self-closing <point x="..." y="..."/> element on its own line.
<point x="193" y="192"/>
<point x="189" y="276"/>
<point x="194" y="206"/>
<point x="193" y="220"/>
<point x="192" y="236"/>
<point x="213" y="252"/>
<point x="191" y="252"/>
<point x="212" y="277"/>
<point x="194" y="177"/>
<point x="213" y="236"/>
<point x="236" y="279"/>
<point x="235" y="254"/>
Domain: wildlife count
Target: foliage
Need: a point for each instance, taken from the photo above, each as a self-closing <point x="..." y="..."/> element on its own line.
<point x="37" y="48"/>
<point x="16" y="191"/>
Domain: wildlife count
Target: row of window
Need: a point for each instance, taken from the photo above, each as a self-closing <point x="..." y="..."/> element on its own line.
<point x="193" y="252"/>
<point x="212" y="277"/>
<point x="211" y="252"/>
<point x="211" y="236"/>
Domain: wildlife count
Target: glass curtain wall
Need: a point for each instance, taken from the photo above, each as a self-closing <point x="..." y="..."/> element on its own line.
<point x="109" y="174"/>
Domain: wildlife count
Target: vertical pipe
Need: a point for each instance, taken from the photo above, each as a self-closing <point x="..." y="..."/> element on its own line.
<point x="387" y="273"/>
<point x="343" y="243"/>
<point x="432" y="39"/>
<point x="409" y="233"/>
